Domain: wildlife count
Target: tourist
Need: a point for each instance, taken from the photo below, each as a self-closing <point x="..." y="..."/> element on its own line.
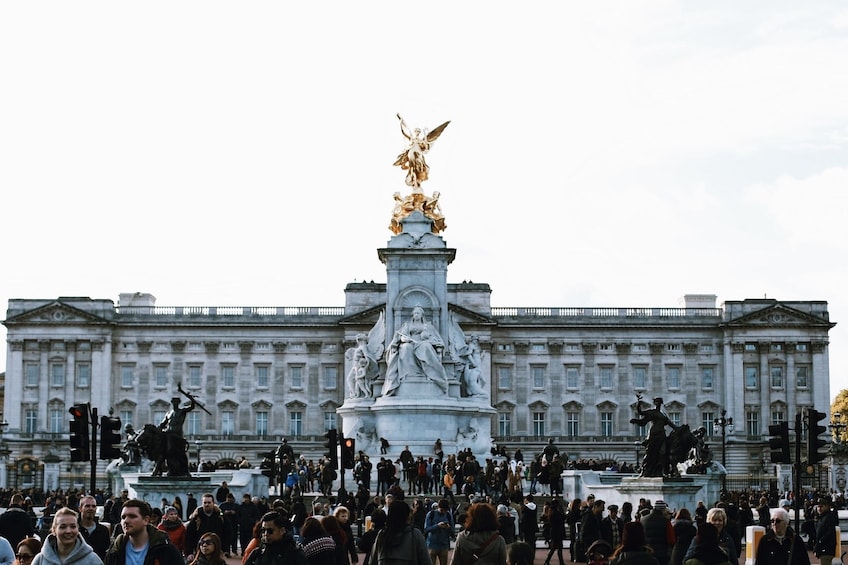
<point x="7" y="554"/>
<point x="206" y="519"/>
<point x="208" y="551"/>
<point x="174" y="528"/>
<point x="398" y="541"/>
<point x="520" y="553"/>
<point x="342" y="514"/>
<point x="659" y="533"/>
<point x="438" y="527"/>
<point x="27" y="549"/>
<point x="718" y="518"/>
<point x="95" y="534"/>
<point x="317" y="545"/>
<point x="707" y="550"/>
<point x="15" y="523"/>
<point x="684" y="533"/>
<point x="572" y="518"/>
<point x="334" y="530"/>
<point x="612" y="526"/>
<point x="780" y="545"/>
<point x="254" y="542"/>
<point x="506" y="524"/>
<point x="825" y="540"/>
<point x="366" y="542"/>
<point x="278" y="545"/>
<point x="555" y="518"/>
<point x="633" y="550"/>
<point x="64" y="544"/>
<point x="529" y="521"/>
<point x="590" y="526"/>
<point x="144" y="543"/>
<point x="479" y="542"/>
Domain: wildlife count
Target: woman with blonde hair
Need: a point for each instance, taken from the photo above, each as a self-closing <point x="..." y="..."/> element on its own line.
<point x="64" y="544"/>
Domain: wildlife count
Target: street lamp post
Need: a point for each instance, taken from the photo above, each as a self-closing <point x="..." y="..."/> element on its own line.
<point x="726" y="425"/>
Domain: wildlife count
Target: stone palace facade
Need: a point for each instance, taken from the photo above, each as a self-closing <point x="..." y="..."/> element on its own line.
<point x="264" y="373"/>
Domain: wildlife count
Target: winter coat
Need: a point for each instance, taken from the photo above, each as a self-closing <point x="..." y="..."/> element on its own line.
<point x="159" y="549"/>
<point x="81" y="554"/>
<point x="638" y="557"/>
<point x="471" y="544"/>
<point x="407" y="548"/>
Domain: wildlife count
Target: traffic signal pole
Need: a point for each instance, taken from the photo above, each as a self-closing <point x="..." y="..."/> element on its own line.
<point x="797" y="468"/>
<point x="93" y="454"/>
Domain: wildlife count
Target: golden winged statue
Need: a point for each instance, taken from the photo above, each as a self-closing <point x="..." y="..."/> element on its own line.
<point x="412" y="159"/>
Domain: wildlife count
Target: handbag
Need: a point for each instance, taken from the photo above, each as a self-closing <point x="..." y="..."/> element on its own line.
<point x="475" y="556"/>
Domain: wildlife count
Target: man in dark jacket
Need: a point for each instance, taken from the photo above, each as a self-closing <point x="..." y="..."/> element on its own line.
<point x="825" y="547"/>
<point x="140" y="536"/>
<point x="95" y="534"/>
<point x="278" y="546"/>
<point x="612" y="527"/>
<point x="780" y="545"/>
<point x="529" y="521"/>
<point x="659" y="533"/>
<point x="15" y="523"/>
<point x="248" y="515"/>
<point x="206" y="519"/>
<point x="590" y="528"/>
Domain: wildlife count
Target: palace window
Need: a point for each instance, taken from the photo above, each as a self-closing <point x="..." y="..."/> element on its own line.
<point x="126" y="417"/>
<point x="572" y="378"/>
<point x="708" y="421"/>
<point x="127" y="376"/>
<point x="707" y="380"/>
<point x="674" y="417"/>
<point x="752" y="423"/>
<point x="504" y="377"/>
<point x="160" y="376"/>
<point x="261" y="423"/>
<point x="606" y="424"/>
<point x="606" y="377"/>
<point x="228" y="376"/>
<point x="777" y="416"/>
<point x="296" y="372"/>
<point x="776" y="373"/>
<point x="262" y="375"/>
<point x="296" y="424"/>
<point x="802" y="376"/>
<point x="30" y="420"/>
<point x="538" y="373"/>
<point x="83" y="375"/>
<point x="801" y="347"/>
<point x="329" y="421"/>
<point x="572" y="424"/>
<point x="57" y="374"/>
<point x="538" y="424"/>
<point x="32" y="374"/>
<point x="504" y="424"/>
<point x="331" y="377"/>
<point x="640" y="377"/>
<point x="228" y="423"/>
<point x="57" y="421"/>
<point x="750" y="347"/>
<point x="752" y="376"/>
<point x="673" y="377"/>
<point x="194" y="374"/>
<point x="193" y="423"/>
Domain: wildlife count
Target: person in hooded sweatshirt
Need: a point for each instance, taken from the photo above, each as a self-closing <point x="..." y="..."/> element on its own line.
<point x="480" y="543"/>
<point x="64" y="545"/>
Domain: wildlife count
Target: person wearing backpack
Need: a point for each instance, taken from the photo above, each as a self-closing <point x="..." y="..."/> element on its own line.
<point x="438" y="528"/>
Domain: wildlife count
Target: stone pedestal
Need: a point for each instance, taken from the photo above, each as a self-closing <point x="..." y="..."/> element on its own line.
<point x="153" y="489"/>
<point x="616" y="488"/>
<point x="417" y="417"/>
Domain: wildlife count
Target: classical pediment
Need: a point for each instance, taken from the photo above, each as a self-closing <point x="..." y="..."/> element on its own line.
<point x="778" y="316"/>
<point x="55" y="314"/>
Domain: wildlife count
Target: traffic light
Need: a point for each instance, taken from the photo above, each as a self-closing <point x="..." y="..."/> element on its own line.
<point x="348" y="453"/>
<point x="110" y="438"/>
<point x="814" y="442"/>
<point x="780" y="443"/>
<point x="80" y="433"/>
<point x="332" y="446"/>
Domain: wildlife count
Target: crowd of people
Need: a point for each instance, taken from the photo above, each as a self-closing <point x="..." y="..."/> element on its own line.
<point x="420" y="508"/>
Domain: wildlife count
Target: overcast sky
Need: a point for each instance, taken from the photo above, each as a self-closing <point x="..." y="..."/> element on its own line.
<point x="599" y="153"/>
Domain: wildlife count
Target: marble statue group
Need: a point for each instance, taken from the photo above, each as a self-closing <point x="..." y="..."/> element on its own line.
<point x="416" y="349"/>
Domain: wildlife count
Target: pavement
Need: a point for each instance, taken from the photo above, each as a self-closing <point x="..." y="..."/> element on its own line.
<point x="542" y="554"/>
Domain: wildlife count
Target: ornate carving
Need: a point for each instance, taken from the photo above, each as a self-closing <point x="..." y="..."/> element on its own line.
<point x="818" y="346"/>
<point x="212" y="346"/>
<point x="555" y="347"/>
<point x="522" y="347"/>
<point x="16" y="344"/>
<point x="738" y="347"/>
<point x="144" y="346"/>
<point x="280" y="346"/>
<point x="589" y="347"/>
<point x="313" y="347"/>
<point x="622" y="348"/>
<point x="656" y="348"/>
<point x="246" y="346"/>
<point x="690" y="348"/>
<point x="97" y="344"/>
<point x="178" y="346"/>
